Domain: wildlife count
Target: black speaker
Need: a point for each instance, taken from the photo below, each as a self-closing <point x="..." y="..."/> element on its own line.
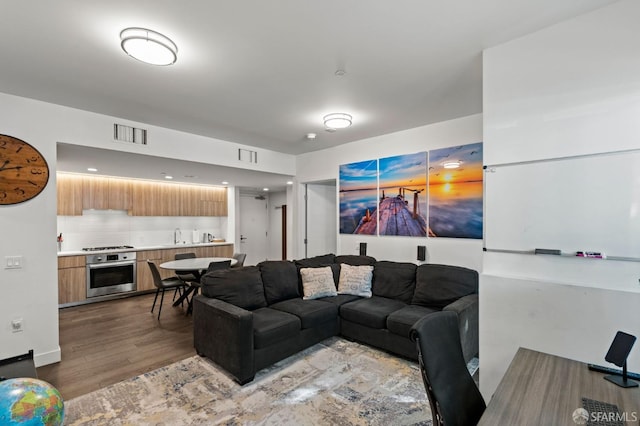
<point x="422" y="253"/>
<point x="363" y="249"/>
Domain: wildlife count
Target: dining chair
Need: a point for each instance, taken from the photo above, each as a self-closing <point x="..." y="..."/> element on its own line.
<point x="213" y="266"/>
<point x="187" y="276"/>
<point x="163" y="284"/>
<point x="453" y="395"/>
<point x="240" y="257"/>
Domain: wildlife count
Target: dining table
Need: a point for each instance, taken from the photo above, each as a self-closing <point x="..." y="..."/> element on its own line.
<point x="200" y="264"/>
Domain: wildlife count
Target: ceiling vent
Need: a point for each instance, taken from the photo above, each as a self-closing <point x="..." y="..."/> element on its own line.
<point x="247" y="155"/>
<point x="129" y="134"/>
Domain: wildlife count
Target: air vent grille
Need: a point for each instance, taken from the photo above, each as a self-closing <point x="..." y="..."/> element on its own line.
<point x="247" y="155"/>
<point x="129" y="134"/>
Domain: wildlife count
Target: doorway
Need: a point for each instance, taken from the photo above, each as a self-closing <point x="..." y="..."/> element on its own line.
<point x="254" y="225"/>
<point x="321" y="218"/>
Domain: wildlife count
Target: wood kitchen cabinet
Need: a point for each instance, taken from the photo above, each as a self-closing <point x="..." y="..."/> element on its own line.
<point x="69" y="194"/>
<point x="144" y="279"/>
<point x="72" y="279"/>
<point x="139" y="198"/>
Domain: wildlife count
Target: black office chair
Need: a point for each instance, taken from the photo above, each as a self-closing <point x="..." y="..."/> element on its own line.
<point x="240" y="257"/>
<point x="187" y="276"/>
<point x="164" y="284"/>
<point x="453" y="395"/>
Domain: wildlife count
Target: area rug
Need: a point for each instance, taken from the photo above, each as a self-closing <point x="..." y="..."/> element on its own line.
<point x="336" y="382"/>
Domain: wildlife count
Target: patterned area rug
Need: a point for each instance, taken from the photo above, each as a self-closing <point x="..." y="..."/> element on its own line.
<point x="336" y="382"/>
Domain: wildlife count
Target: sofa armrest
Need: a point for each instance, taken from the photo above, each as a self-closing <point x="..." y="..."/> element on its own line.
<point x="467" y="309"/>
<point x="224" y="333"/>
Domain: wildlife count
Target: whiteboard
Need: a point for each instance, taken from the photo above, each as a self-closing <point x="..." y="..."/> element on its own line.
<point x="584" y="203"/>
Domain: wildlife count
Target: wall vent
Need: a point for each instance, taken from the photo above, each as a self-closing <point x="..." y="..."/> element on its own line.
<point x="247" y="155"/>
<point x="129" y="134"/>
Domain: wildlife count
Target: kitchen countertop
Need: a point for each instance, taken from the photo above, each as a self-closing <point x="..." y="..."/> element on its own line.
<point x="156" y="247"/>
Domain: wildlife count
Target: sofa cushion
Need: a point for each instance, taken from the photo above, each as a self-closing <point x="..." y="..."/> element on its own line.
<point x="317" y="261"/>
<point x="317" y="283"/>
<point x="340" y="299"/>
<point x="371" y="312"/>
<point x="241" y="287"/>
<point x="355" y="260"/>
<point x="394" y="280"/>
<point x="271" y="326"/>
<point x="355" y="280"/>
<point x="312" y="313"/>
<point x="439" y="285"/>
<point x="401" y="321"/>
<point x="280" y="280"/>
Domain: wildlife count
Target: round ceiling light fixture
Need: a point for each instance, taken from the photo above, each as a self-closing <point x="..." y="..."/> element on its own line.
<point x="148" y="46"/>
<point x="451" y="164"/>
<point x="337" y="120"/>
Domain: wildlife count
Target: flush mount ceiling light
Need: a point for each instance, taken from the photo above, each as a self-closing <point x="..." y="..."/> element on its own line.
<point x="451" y="164"/>
<point x="148" y="46"/>
<point x="337" y="120"/>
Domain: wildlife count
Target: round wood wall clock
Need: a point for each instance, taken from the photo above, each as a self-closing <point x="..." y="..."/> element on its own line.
<point x="23" y="171"/>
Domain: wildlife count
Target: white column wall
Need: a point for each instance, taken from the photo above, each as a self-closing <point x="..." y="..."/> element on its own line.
<point x="570" y="89"/>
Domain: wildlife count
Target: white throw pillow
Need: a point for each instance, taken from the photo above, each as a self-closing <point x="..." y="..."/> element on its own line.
<point x="317" y="283"/>
<point x="355" y="280"/>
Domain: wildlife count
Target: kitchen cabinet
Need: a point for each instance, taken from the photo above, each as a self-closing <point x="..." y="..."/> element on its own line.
<point x="139" y="198"/>
<point x="69" y="194"/>
<point x="144" y="279"/>
<point x="72" y="279"/>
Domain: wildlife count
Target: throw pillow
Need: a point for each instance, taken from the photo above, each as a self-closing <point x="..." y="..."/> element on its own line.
<point x="355" y="280"/>
<point x="317" y="283"/>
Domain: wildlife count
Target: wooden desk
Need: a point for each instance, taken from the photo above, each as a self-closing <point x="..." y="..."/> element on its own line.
<point x="543" y="389"/>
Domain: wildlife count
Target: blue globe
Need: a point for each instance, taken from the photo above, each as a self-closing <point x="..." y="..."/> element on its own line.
<point x="30" y="402"/>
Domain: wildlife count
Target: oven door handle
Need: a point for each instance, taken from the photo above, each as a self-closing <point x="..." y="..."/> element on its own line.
<point x="110" y="264"/>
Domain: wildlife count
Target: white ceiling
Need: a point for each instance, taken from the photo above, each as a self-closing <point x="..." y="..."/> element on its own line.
<point x="261" y="72"/>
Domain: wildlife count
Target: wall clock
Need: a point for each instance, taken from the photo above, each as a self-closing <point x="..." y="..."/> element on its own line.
<point x="23" y="171"/>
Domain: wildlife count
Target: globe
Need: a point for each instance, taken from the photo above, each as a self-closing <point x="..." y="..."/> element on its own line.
<point x="30" y="402"/>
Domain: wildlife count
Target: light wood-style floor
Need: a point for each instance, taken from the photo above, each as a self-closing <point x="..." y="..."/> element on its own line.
<point x="104" y="343"/>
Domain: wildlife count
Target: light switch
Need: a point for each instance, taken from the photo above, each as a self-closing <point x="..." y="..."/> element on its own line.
<point x="13" y="262"/>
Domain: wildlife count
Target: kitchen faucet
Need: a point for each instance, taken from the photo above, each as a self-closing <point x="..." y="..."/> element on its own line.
<point x="177" y="236"/>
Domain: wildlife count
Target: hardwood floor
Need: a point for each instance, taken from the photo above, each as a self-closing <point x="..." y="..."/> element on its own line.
<point x="104" y="343"/>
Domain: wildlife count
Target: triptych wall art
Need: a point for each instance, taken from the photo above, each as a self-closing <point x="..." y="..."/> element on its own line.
<point x="436" y="194"/>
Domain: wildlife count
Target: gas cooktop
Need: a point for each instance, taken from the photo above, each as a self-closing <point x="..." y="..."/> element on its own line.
<point x="106" y="248"/>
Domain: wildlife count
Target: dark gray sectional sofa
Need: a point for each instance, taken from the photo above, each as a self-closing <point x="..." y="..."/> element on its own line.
<point x="249" y="318"/>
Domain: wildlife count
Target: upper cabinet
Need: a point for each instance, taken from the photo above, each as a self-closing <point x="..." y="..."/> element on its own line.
<point x="139" y="198"/>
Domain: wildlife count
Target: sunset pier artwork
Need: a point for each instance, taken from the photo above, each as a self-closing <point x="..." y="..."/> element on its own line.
<point x="395" y="216"/>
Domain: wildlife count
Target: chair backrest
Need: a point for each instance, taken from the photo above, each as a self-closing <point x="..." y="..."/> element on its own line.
<point x="240" y="257"/>
<point x="452" y="393"/>
<point x="216" y="266"/>
<point x="187" y="275"/>
<point x="179" y="256"/>
<point x="157" y="279"/>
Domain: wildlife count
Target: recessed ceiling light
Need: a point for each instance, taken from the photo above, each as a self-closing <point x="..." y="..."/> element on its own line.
<point x="168" y="177"/>
<point x="92" y="169"/>
<point x="224" y="182"/>
<point x="310" y="136"/>
<point x="337" y="120"/>
<point x="148" y="46"/>
<point x="289" y="182"/>
<point x="265" y="189"/>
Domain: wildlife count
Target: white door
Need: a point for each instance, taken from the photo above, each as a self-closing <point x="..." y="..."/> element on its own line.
<point x="254" y="223"/>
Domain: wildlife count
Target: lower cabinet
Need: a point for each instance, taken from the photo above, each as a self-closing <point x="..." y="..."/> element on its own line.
<point x="72" y="279"/>
<point x="72" y="275"/>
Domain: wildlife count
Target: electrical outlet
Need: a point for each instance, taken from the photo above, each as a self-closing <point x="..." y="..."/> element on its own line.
<point x="17" y="325"/>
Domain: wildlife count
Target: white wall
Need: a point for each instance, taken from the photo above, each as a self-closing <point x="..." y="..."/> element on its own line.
<point x="323" y="165"/>
<point x="29" y="229"/>
<point x="570" y="89"/>
<point x="321" y="215"/>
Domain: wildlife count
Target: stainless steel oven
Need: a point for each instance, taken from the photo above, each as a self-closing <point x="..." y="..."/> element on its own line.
<point x="110" y="273"/>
